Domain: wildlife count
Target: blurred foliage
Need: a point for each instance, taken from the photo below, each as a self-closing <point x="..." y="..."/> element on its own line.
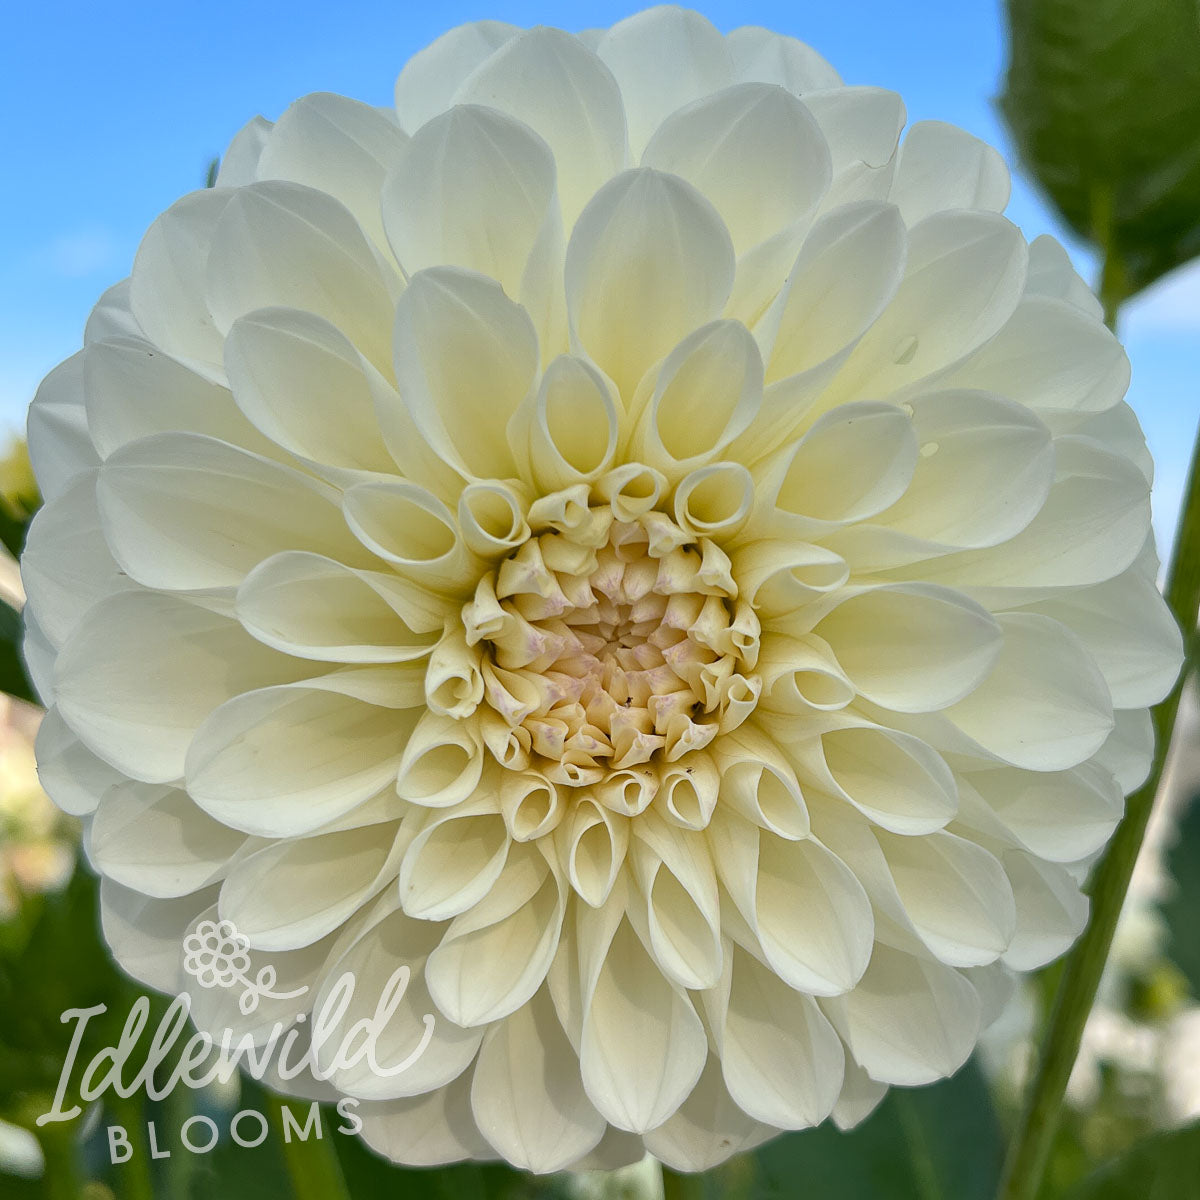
<point x="1103" y="100"/>
<point x="1182" y="907"/>
<point x="1163" y="1167"/>
<point x="941" y="1142"/>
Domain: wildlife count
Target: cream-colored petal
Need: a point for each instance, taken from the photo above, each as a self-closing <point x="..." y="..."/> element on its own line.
<point x="66" y="566"/>
<point x="430" y="78"/>
<point x="910" y="1021"/>
<point x="167" y="286"/>
<point x="71" y="775"/>
<point x="312" y="607"/>
<point x="643" y="1046"/>
<point x="1045" y="705"/>
<point x="1051" y="274"/>
<point x="292" y="893"/>
<point x="648" y="262"/>
<point x="707" y="1128"/>
<point x="526" y="1094"/>
<point x="636" y="51"/>
<point x="474" y="188"/>
<point x="1051" y="911"/>
<point x="554" y="84"/>
<point x="339" y="146"/>
<point x="283" y="761"/>
<point x="301" y="382"/>
<point x="780" y="1057"/>
<point x="134" y="389"/>
<point x="762" y="56"/>
<point x="755" y="151"/>
<point x="426" y="1130"/>
<point x="145" y="934"/>
<point x="912" y="647"/>
<point x="267" y="226"/>
<point x="943" y="167"/>
<point x="188" y="661"/>
<point x="153" y="838"/>
<point x="862" y="126"/>
<point x="466" y="356"/>
<point x="494" y="957"/>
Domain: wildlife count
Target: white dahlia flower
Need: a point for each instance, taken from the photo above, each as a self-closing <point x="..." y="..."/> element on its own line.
<point x="630" y="538"/>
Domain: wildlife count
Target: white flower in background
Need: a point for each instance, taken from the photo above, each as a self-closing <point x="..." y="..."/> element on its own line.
<point x="629" y="538"/>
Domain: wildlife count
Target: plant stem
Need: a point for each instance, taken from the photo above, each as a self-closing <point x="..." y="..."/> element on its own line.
<point x="1034" y="1135"/>
<point x="681" y="1187"/>
<point x="312" y="1163"/>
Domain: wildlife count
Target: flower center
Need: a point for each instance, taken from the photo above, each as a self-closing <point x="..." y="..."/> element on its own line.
<point x="608" y="643"/>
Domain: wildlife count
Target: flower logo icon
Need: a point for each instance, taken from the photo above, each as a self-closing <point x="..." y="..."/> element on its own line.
<point x="215" y="954"/>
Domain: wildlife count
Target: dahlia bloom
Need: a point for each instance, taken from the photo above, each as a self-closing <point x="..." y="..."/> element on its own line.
<point x="628" y="537"/>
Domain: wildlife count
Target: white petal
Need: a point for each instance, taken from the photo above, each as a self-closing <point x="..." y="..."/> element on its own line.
<point x="912" y="647"/>
<point x="526" y="1093"/>
<point x="112" y="317"/>
<point x="474" y="189"/>
<point x="417" y="1049"/>
<point x="292" y="893"/>
<point x="135" y="389"/>
<point x="167" y="286"/>
<point x="60" y="446"/>
<point x="708" y="1127"/>
<point x="154" y="839"/>
<point x="643" y="1046"/>
<point x="761" y="56"/>
<point x="942" y="167"/>
<point x="1051" y="911"/>
<point x="1050" y="356"/>
<point x="188" y="660"/>
<point x="1092" y="526"/>
<point x="185" y="512"/>
<point x="71" y="775"/>
<point x="305" y="387"/>
<point x="1129" y="749"/>
<point x="910" y="1021"/>
<point x="1128" y="630"/>
<point x="565" y="94"/>
<point x="264" y="229"/>
<point x="1045" y="706"/>
<point x="862" y="126"/>
<point x="648" y="262"/>
<point x="781" y="1059"/>
<point x="962" y="282"/>
<point x="1062" y="816"/>
<point x="955" y="893"/>
<point x="425" y="1130"/>
<point x="430" y="78"/>
<point x="66" y="566"/>
<point x="339" y="146"/>
<point x="495" y="956"/>
<point x="755" y="151"/>
<point x="145" y="935"/>
<point x="466" y="357"/>
<point x="1051" y="274"/>
<point x="239" y="163"/>
<point x="314" y="607"/>
<point x="637" y="50"/>
<point x="860" y="1097"/>
<point x="283" y="761"/>
<point x="894" y="779"/>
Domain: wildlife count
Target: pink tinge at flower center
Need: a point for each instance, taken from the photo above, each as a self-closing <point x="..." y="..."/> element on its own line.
<point x="609" y="644"/>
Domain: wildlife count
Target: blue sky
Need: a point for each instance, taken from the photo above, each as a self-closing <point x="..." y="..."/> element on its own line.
<point x="113" y="111"/>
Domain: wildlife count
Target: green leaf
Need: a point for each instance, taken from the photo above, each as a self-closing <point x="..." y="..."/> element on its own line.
<point x="1103" y="100"/>
<point x="1163" y="1167"/>
<point x="941" y="1142"/>
<point x="1180" y="909"/>
<point x="13" y="678"/>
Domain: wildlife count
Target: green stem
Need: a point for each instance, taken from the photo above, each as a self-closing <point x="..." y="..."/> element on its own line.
<point x="60" y="1172"/>
<point x="1034" y="1135"/>
<point x="312" y="1163"/>
<point x="134" y="1176"/>
<point x="681" y="1187"/>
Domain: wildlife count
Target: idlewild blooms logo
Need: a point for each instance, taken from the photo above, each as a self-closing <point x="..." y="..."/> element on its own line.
<point x="316" y="1044"/>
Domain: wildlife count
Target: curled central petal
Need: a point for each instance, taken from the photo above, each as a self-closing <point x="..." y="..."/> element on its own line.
<point x="608" y="644"/>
